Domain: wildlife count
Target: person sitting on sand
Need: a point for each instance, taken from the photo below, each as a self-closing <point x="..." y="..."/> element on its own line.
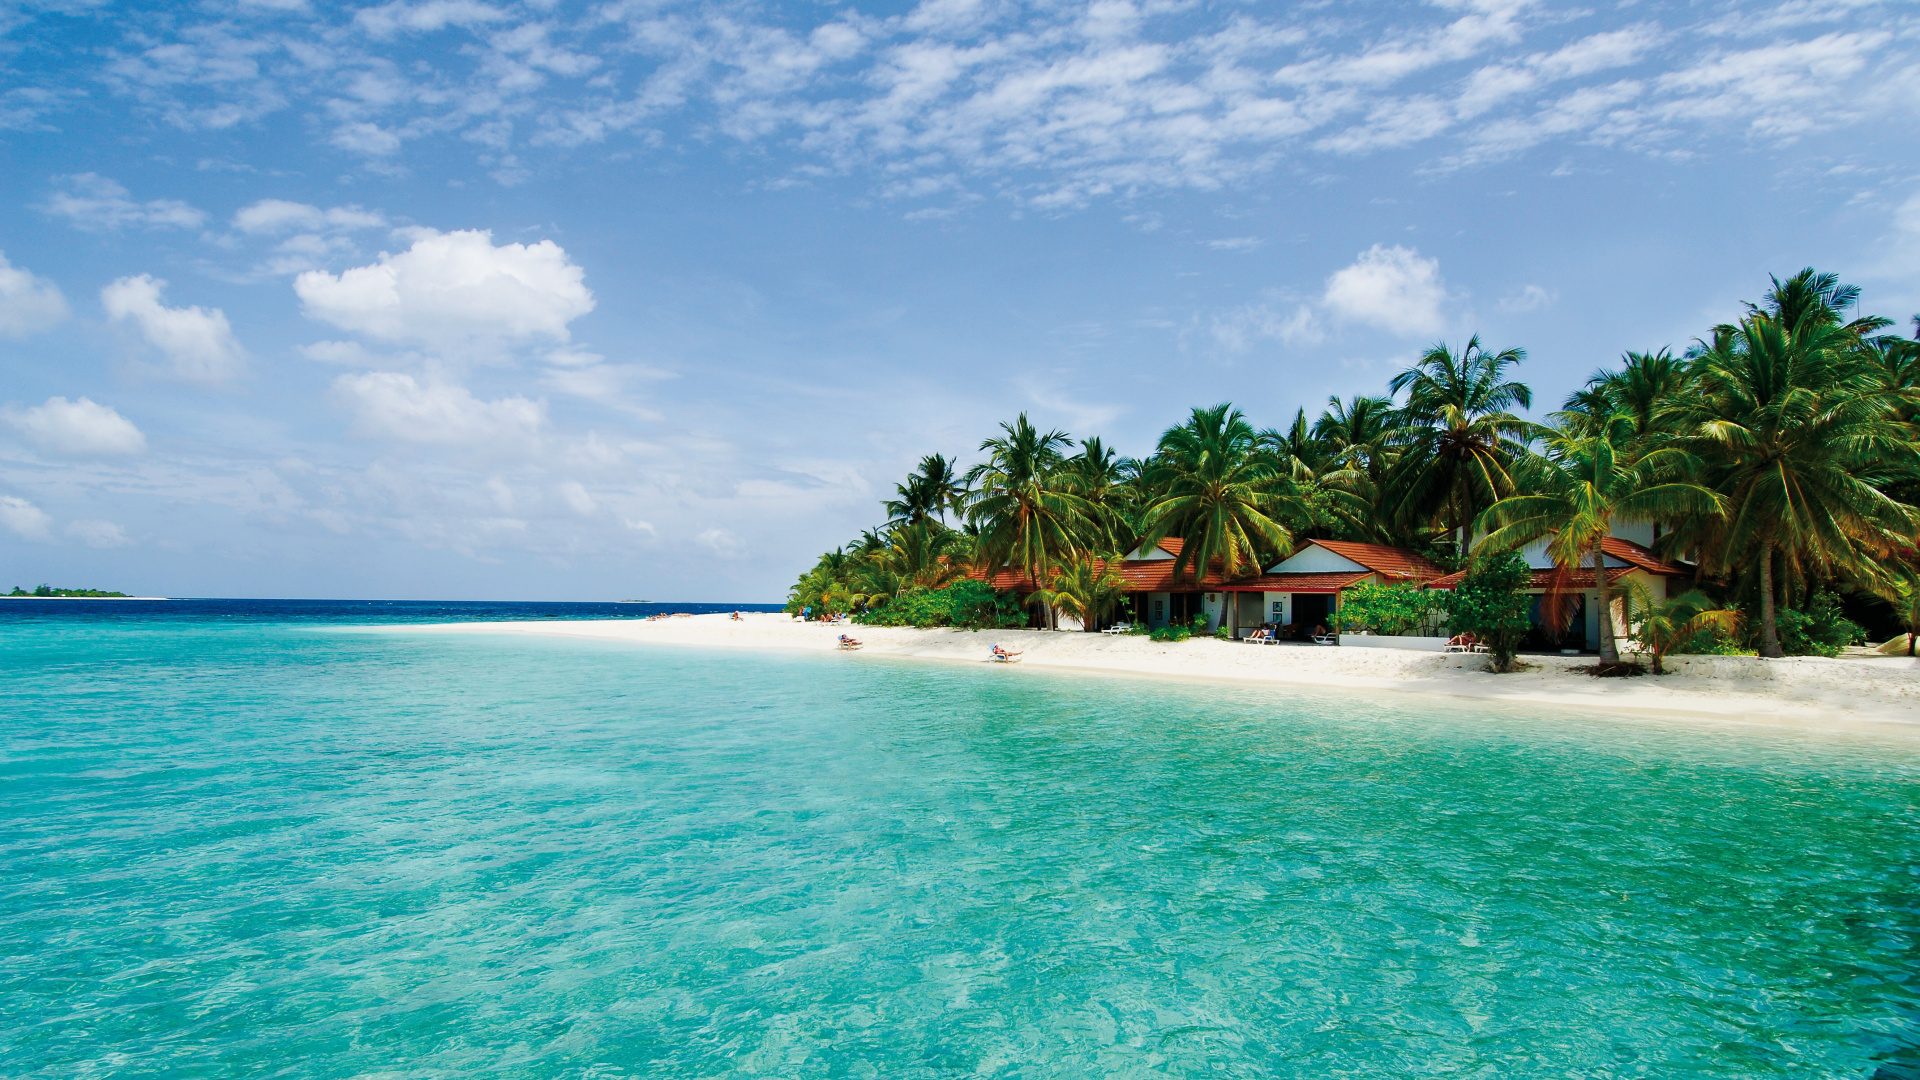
<point x="848" y="643"/>
<point x="736" y="616"/>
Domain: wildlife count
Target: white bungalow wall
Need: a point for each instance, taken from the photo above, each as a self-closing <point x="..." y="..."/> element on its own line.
<point x="1314" y="559"/>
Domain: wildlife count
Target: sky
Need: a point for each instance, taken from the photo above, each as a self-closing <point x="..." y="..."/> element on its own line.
<point x="455" y="299"/>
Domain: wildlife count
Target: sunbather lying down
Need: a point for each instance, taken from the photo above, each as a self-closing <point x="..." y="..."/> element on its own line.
<point x="848" y="643"/>
<point x="1002" y="656"/>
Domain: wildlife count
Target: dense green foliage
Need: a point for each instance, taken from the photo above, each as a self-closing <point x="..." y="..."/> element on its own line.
<point x="967" y="604"/>
<point x="1491" y="603"/>
<point x="1778" y="456"/>
<point x="1399" y="608"/>
<point x="48" y="590"/>
<point x="1821" y="629"/>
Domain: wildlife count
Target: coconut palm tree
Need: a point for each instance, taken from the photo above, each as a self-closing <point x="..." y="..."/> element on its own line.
<point x="1457" y="438"/>
<point x="1579" y="487"/>
<point x="1090" y="588"/>
<point x="1223" y="492"/>
<point x="930" y="492"/>
<point x="1356" y="438"/>
<point x="1800" y="438"/>
<point x="1660" y="626"/>
<point x="1025" y="505"/>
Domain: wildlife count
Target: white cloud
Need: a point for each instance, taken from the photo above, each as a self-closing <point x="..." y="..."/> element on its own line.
<point x="453" y="287"/>
<point x="25" y="519"/>
<point x="80" y="428"/>
<point x="28" y="303"/>
<point x="723" y="543"/>
<point x="97" y="204"/>
<point x="575" y="495"/>
<point x="197" y="340"/>
<point x="1235" y="243"/>
<point x="99" y="534"/>
<point x="389" y="19"/>
<point x="394" y="406"/>
<point x="1529" y="298"/>
<point x="276" y="216"/>
<point x="1238" y="329"/>
<point x="1392" y="288"/>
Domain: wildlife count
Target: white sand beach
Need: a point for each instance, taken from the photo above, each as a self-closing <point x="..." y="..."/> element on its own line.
<point x="1880" y="693"/>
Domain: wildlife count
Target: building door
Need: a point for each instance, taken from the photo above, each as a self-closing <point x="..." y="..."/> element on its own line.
<point x="1311" y="610"/>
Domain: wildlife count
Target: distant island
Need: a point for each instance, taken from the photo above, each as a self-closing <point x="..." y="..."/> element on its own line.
<point x="48" y="590"/>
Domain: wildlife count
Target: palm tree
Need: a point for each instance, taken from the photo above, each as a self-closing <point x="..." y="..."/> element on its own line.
<point x="929" y="492"/>
<point x="1457" y="437"/>
<point x="1660" y="626"/>
<point x="1356" y="438"/>
<point x="1222" y="493"/>
<point x="1800" y="436"/>
<point x="1646" y="385"/>
<point x="1099" y="475"/>
<point x="1090" y="588"/>
<point x="1578" y="489"/>
<point x="1024" y="503"/>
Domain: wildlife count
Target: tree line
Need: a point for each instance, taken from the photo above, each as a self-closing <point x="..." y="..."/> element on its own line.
<point x="1780" y="454"/>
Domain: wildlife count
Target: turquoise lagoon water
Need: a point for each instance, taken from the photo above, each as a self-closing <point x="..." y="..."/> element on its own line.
<point x="259" y="848"/>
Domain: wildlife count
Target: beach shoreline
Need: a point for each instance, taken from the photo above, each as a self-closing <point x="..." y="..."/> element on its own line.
<point x="1878" y="695"/>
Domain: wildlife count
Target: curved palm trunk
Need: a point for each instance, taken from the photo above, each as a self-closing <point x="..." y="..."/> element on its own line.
<point x="1609" y="650"/>
<point x="1769" y="629"/>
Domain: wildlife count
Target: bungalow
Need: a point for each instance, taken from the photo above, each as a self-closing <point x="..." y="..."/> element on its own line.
<point x="1626" y="561"/>
<point x="1301" y="590"/>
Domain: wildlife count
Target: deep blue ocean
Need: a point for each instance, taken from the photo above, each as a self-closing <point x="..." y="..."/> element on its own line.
<point x="311" y="839"/>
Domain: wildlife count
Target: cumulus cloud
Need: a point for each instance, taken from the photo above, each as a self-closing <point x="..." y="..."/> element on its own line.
<point x="198" y="340"/>
<point x="392" y="405"/>
<point x="389" y="19"/>
<point x="97" y="204"/>
<point x="1528" y="298"/>
<point x="1392" y="288"/>
<point x="723" y="543"/>
<point x="1237" y="330"/>
<point x="453" y="287"/>
<point x="28" y="303"/>
<point x="80" y="428"/>
<point x="24" y="519"/>
<point x="98" y="534"/>
<point x="575" y="495"/>
<point x="276" y="216"/>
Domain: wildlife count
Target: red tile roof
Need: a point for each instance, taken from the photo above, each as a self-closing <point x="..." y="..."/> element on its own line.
<point x="1389" y="561"/>
<point x="1546" y="579"/>
<point x="1629" y="552"/>
<point x="1307" y="583"/>
<point x="1156" y="575"/>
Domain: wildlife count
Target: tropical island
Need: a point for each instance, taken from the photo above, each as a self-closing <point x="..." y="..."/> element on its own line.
<point x="47" y="591"/>
<point x="1754" y="495"/>
<point x="1733" y="522"/>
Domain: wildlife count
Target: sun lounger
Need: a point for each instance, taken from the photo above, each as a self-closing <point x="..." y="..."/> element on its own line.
<point x="1259" y="637"/>
<point x="849" y="643"/>
<point x="1326" y="639"/>
<point x="1119" y="628"/>
<point x="1002" y="656"/>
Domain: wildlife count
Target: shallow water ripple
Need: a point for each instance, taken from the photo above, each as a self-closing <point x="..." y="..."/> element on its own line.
<point x="277" y="850"/>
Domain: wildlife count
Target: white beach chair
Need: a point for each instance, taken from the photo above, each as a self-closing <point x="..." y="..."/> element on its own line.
<point x="1119" y="628"/>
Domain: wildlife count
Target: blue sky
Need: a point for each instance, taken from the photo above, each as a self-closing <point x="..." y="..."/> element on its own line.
<point x="455" y="299"/>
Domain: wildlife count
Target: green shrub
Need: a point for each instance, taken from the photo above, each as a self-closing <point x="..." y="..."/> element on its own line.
<point x="1172" y="632"/>
<point x="1820" y="630"/>
<point x="1712" y="641"/>
<point x="967" y="604"/>
<point x="1492" y="604"/>
<point x="1387" y="609"/>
